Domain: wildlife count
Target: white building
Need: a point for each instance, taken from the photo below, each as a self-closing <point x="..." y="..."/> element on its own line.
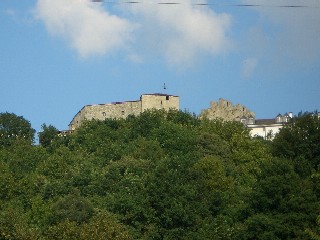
<point x="266" y="128"/>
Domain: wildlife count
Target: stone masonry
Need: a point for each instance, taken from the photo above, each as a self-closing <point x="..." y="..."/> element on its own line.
<point x="225" y="110"/>
<point x="124" y="109"/>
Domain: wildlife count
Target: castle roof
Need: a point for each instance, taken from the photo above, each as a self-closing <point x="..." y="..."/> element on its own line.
<point x="159" y="94"/>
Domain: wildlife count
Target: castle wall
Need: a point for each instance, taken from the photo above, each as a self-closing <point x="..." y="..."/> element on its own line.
<point x="225" y="110"/>
<point x="159" y="101"/>
<point x="124" y="109"/>
<point x="77" y="119"/>
<point x="104" y="111"/>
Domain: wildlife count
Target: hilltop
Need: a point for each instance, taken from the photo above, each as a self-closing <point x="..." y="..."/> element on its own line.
<point x="159" y="175"/>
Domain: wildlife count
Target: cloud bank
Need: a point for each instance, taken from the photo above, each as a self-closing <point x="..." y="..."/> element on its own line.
<point x="86" y="26"/>
<point x="179" y="33"/>
<point x="288" y="37"/>
<point x="182" y="32"/>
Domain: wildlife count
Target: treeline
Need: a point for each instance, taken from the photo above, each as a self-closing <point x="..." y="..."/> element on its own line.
<point x="160" y="175"/>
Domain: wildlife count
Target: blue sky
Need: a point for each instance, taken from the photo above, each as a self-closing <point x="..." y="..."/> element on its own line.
<point x="57" y="56"/>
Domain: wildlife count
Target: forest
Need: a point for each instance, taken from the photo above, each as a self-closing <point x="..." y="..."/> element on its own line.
<point x="159" y="175"/>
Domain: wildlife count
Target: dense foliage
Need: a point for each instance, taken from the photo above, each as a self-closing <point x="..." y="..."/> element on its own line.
<point x="13" y="127"/>
<point x="161" y="175"/>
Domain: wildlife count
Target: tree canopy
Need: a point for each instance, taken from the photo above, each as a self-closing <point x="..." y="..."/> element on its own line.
<point x="159" y="175"/>
<point x="13" y="127"/>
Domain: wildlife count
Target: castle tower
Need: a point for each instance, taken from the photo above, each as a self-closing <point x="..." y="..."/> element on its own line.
<point x="159" y="101"/>
<point x="124" y="109"/>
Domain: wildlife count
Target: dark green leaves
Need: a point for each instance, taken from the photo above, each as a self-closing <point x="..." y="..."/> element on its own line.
<point x="13" y="127"/>
<point x="160" y="175"/>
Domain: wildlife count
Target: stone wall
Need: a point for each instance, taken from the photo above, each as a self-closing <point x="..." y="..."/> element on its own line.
<point x="104" y="111"/>
<point x="159" y="101"/>
<point x="124" y="109"/>
<point x="225" y="110"/>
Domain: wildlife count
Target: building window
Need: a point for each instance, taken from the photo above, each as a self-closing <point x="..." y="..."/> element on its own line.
<point x="167" y="97"/>
<point x="278" y="120"/>
<point x="251" y="120"/>
<point x="104" y="114"/>
<point x="122" y="112"/>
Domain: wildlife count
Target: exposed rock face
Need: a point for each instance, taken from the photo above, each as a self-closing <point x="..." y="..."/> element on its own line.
<point x="225" y="110"/>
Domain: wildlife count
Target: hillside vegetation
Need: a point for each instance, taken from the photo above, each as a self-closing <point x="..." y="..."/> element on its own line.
<point x="161" y="175"/>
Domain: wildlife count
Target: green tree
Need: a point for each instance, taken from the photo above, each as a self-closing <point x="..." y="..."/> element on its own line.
<point x="103" y="226"/>
<point x="47" y="135"/>
<point x="14" y="224"/>
<point x="281" y="205"/>
<point x="183" y="118"/>
<point x="213" y="144"/>
<point x="13" y="127"/>
<point x="314" y="234"/>
<point x="124" y="186"/>
<point x="212" y="174"/>
<point x="72" y="207"/>
<point x="299" y="140"/>
<point x="224" y="129"/>
<point x="7" y="182"/>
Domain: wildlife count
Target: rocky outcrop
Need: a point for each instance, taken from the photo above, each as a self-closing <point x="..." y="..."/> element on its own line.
<point x="225" y="110"/>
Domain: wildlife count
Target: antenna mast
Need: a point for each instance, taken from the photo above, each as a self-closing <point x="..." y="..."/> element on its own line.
<point x="164" y="86"/>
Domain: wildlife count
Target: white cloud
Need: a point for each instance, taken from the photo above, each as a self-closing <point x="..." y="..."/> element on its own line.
<point x="248" y="67"/>
<point x="182" y="33"/>
<point x="296" y="40"/>
<point x="135" y="58"/>
<point x="88" y="28"/>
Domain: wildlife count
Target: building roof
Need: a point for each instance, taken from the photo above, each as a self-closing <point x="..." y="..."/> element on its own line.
<point x="265" y="121"/>
<point x="114" y="103"/>
<point x="159" y="94"/>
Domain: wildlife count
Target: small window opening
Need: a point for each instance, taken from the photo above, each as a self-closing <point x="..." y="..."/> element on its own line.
<point x="122" y="112"/>
<point x="167" y="97"/>
<point x="161" y="102"/>
<point x="104" y="114"/>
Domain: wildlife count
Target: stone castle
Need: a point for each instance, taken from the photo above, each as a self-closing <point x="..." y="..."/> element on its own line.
<point x="124" y="109"/>
<point x="221" y="109"/>
<point x="225" y="110"/>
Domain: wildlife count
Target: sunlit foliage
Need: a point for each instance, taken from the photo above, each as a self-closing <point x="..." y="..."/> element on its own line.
<point x="160" y="175"/>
